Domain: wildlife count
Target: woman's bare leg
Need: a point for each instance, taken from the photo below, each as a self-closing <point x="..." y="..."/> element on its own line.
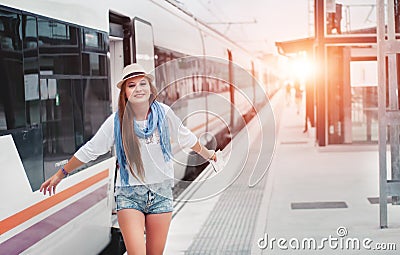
<point x="131" y="223"/>
<point x="157" y="226"/>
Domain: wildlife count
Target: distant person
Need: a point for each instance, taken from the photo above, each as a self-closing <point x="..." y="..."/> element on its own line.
<point x="298" y="95"/>
<point x="288" y="95"/>
<point x="145" y="175"/>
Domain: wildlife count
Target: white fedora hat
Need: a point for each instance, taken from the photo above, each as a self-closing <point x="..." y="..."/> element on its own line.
<point x="133" y="70"/>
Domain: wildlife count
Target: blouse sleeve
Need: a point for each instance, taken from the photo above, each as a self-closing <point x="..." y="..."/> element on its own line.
<point x="100" y="143"/>
<point x="179" y="133"/>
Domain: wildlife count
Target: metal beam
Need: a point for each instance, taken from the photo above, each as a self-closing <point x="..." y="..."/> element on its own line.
<point x="381" y="113"/>
<point x="389" y="116"/>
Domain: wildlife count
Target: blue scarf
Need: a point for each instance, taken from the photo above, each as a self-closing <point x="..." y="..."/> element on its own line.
<point x="157" y="118"/>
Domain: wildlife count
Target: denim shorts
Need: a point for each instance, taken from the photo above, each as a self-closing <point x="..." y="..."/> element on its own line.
<point x="145" y="200"/>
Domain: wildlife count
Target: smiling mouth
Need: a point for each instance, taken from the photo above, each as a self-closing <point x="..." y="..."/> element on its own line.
<point x="139" y="95"/>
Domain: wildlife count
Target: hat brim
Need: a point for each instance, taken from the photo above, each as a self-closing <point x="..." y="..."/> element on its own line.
<point x="148" y="76"/>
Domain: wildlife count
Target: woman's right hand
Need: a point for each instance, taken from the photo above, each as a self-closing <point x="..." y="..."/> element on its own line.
<point x="51" y="183"/>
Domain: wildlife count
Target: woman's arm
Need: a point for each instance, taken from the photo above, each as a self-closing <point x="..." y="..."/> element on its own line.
<point x="51" y="183"/>
<point x="184" y="137"/>
<point x="100" y="144"/>
<point x="203" y="151"/>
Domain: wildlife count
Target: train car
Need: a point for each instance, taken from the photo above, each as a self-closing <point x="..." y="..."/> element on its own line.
<point x="59" y="64"/>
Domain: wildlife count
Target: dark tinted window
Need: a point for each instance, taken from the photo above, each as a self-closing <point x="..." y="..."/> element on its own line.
<point x="94" y="55"/>
<point x="59" y="64"/>
<point x="12" y="101"/>
<point x="94" y="41"/>
<point x="77" y="97"/>
<point x="58" y="124"/>
<point x="45" y="103"/>
<point x="58" y="47"/>
<point x="96" y="105"/>
<point x="31" y="69"/>
<point x="54" y="34"/>
<point x="94" y="64"/>
<point x="19" y="97"/>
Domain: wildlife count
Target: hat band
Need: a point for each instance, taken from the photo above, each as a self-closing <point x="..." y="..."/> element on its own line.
<point x="133" y="74"/>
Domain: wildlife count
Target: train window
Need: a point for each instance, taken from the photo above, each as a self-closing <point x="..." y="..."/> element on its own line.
<point x="11" y="71"/>
<point x="94" y="55"/>
<point x="91" y="39"/>
<point x="3" y="122"/>
<point x="60" y="64"/>
<point x="94" y="41"/>
<point x="29" y="31"/>
<point x="19" y="104"/>
<point x="116" y="30"/>
<point x="53" y="33"/>
<point x="96" y="105"/>
<point x="10" y="33"/>
<point x="30" y="45"/>
<point x="54" y="89"/>
<point x="58" y="47"/>
<point x="31" y="69"/>
<point x="94" y="64"/>
<point x="77" y="95"/>
<point x="57" y="124"/>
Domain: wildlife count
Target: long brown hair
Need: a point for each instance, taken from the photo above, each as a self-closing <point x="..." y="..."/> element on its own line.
<point x="130" y="140"/>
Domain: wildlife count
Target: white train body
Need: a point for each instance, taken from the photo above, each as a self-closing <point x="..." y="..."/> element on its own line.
<point x="55" y="93"/>
<point x="75" y="220"/>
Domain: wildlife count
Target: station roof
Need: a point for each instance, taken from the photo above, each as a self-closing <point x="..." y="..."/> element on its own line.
<point x="366" y="35"/>
<point x="294" y="46"/>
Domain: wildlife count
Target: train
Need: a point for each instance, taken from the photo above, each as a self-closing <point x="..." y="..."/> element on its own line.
<point x="59" y="64"/>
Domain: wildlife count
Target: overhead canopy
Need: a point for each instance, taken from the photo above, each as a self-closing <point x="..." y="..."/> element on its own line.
<point x="294" y="46"/>
<point x="359" y="36"/>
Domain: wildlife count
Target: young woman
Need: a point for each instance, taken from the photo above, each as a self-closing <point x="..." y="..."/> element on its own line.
<point x="141" y="131"/>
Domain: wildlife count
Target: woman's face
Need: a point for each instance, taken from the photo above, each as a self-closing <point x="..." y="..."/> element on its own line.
<point x="138" y="90"/>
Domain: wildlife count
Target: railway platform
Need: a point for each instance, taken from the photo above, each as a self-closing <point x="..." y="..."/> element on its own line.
<point x="312" y="200"/>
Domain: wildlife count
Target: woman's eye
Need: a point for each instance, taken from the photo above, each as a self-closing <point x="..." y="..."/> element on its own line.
<point x="131" y="85"/>
<point x="143" y="83"/>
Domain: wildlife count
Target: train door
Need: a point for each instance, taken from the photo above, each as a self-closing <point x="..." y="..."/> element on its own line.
<point x="116" y="66"/>
<point x="120" y="40"/>
<point x="143" y="44"/>
<point x="131" y="41"/>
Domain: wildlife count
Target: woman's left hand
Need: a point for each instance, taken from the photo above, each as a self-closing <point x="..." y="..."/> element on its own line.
<point x="204" y="152"/>
<point x="214" y="157"/>
<point x="51" y="184"/>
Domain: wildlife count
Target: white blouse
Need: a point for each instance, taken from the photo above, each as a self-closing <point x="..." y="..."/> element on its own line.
<point x="155" y="168"/>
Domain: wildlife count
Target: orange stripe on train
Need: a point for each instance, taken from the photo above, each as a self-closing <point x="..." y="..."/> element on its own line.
<point x="35" y="209"/>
